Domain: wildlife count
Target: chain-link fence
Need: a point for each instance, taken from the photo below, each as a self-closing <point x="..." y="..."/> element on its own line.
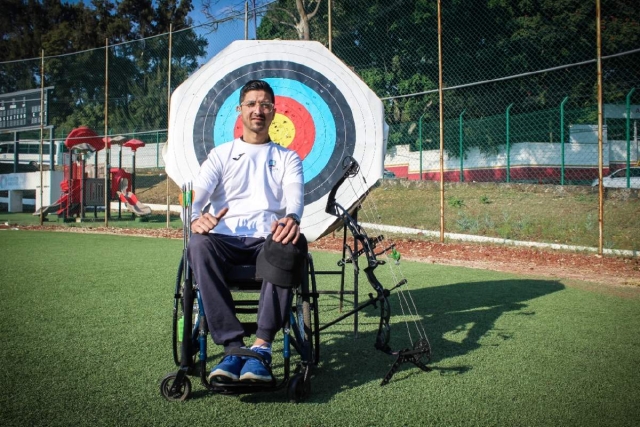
<point x="520" y="102"/>
<point x="520" y="107"/>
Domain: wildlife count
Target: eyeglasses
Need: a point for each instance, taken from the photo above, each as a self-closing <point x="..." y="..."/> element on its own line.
<point x="266" y="107"/>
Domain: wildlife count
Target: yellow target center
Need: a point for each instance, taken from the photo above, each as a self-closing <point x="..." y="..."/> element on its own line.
<point x="282" y="130"/>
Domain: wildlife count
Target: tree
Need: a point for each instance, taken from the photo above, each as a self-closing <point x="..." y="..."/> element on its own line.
<point x="292" y="19"/>
<point x="305" y="12"/>
<point x="138" y="57"/>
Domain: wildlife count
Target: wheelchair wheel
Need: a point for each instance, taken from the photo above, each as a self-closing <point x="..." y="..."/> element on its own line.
<point x="179" y="395"/>
<point x="299" y="388"/>
<point x="307" y="316"/>
<point x="178" y="318"/>
<point x="312" y="318"/>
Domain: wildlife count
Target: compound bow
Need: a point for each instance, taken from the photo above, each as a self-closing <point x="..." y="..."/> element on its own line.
<point x="420" y="353"/>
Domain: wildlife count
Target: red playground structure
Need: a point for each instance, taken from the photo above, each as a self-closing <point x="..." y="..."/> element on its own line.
<point x="79" y="191"/>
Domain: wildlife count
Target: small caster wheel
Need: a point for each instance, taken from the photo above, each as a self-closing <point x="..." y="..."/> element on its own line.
<point x="179" y="393"/>
<point x="299" y="389"/>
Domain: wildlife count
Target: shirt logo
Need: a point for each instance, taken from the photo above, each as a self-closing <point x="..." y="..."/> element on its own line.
<point x="238" y="158"/>
<point x="272" y="165"/>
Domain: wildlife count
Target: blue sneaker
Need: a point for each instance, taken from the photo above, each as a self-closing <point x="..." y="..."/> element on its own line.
<point x="227" y="371"/>
<point x="253" y="370"/>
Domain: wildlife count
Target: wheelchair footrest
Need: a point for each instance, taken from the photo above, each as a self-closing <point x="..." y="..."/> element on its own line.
<point x="242" y="387"/>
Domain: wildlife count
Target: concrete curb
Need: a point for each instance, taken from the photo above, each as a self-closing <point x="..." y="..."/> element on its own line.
<point x="452" y="236"/>
<point x="493" y="240"/>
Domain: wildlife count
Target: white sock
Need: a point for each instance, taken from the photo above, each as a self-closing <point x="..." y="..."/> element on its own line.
<point x="266" y="347"/>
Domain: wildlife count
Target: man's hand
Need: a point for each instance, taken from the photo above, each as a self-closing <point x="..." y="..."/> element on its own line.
<point x="285" y="230"/>
<point x="207" y="222"/>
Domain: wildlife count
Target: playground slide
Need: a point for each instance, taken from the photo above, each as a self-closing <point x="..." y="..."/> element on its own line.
<point x="58" y="207"/>
<point x="133" y="204"/>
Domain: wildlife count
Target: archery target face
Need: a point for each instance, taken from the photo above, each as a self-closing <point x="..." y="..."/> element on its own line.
<point x="323" y="112"/>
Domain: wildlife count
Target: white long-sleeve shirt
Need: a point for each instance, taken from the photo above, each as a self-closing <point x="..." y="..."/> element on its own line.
<point x="259" y="183"/>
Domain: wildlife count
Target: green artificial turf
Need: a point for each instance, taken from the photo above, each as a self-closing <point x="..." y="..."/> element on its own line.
<point x="85" y="337"/>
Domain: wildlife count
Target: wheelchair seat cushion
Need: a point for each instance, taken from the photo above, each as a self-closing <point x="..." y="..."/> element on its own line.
<point x="282" y="264"/>
<point x="243" y="273"/>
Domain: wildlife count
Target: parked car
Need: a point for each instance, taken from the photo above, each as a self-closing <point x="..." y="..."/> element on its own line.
<point x="618" y="179"/>
<point x="387" y="174"/>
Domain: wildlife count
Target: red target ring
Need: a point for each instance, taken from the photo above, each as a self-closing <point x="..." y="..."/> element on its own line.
<point x="292" y="126"/>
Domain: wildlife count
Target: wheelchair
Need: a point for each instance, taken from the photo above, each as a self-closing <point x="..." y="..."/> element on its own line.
<point x="301" y="339"/>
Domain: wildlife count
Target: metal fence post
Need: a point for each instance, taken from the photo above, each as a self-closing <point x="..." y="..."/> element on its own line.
<point x="461" y="150"/>
<point x="508" y="143"/>
<point x="628" y="135"/>
<point x="107" y="145"/>
<point x="169" y="113"/>
<point x="420" y="138"/>
<point x="564" y="101"/>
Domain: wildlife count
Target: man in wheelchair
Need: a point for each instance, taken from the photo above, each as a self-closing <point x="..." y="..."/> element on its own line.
<point x="256" y="191"/>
